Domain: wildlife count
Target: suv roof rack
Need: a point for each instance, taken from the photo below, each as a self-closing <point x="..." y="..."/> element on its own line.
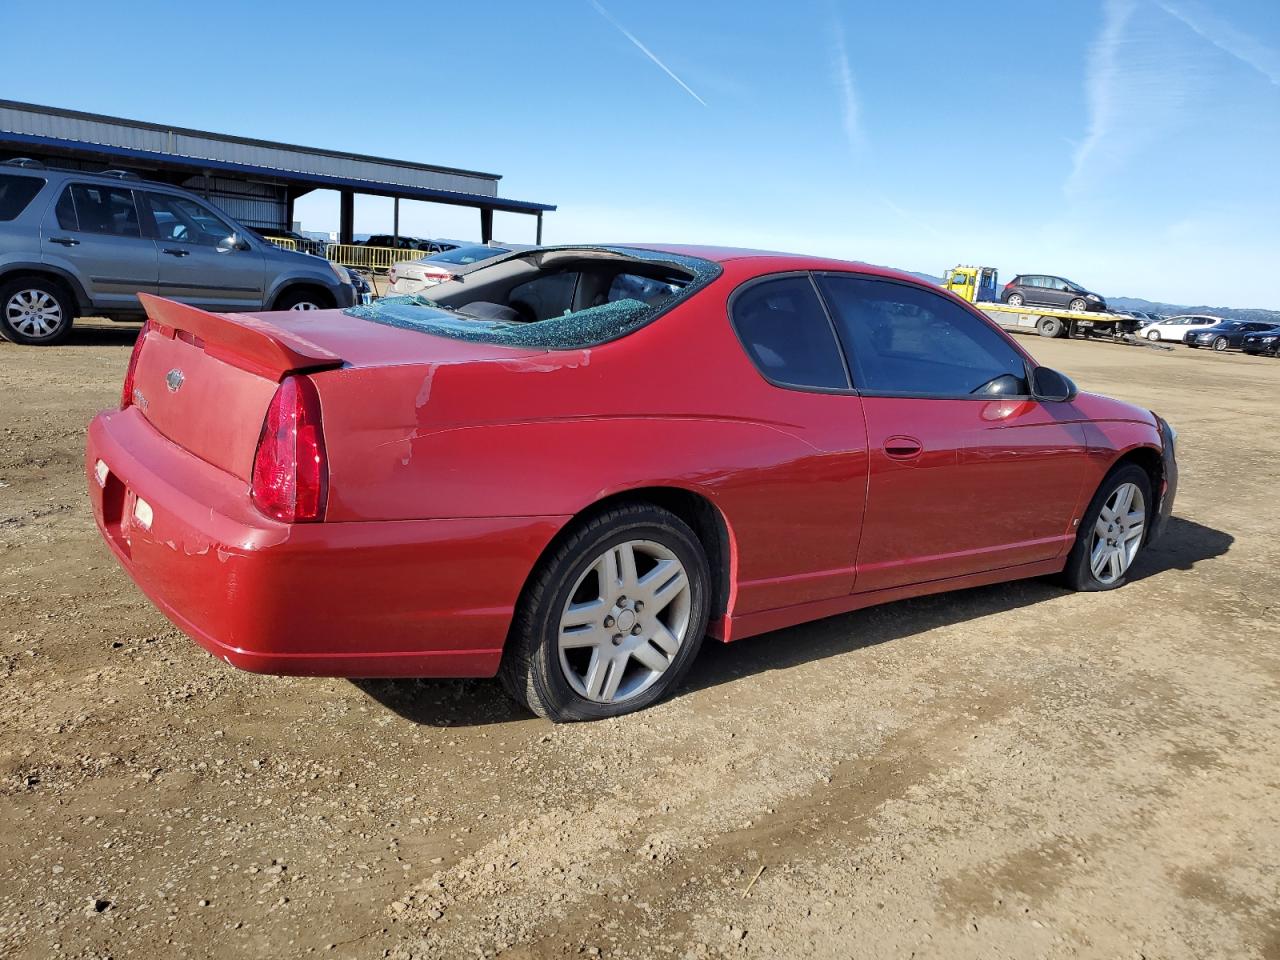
<point x="25" y="162"/>
<point x="120" y="174"/>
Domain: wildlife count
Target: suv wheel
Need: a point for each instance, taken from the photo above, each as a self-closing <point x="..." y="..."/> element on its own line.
<point x="34" y="311"/>
<point x="303" y="298"/>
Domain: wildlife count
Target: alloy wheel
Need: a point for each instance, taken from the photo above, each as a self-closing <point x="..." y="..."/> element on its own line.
<point x="305" y="305"/>
<point x="625" y="621"/>
<point x="1220" y="344"/>
<point x="34" y="313"/>
<point x="1015" y="300"/>
<point x="1117" y="535"/>
<point x="1153" y="335"/>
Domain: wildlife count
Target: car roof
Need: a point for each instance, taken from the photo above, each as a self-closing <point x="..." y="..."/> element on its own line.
<point x="774" y="259"/>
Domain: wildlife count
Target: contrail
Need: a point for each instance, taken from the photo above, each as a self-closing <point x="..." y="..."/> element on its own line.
<point x="646" y="51"/>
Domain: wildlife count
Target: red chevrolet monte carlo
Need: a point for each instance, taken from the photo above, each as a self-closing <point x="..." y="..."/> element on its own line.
<point x="571" y="463"/>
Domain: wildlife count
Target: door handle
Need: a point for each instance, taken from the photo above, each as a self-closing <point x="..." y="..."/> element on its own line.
<point x="65" y="241"/>
<point x="903" y="448"/>
<point x="174" y="252"/>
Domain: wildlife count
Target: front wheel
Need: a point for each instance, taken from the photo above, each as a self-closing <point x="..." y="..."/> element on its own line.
<point x="1220" y="344"/>
<point x="303" y="298"/>
<point x="611" y="621"/>
<point x="1112" y="531"/>
<point x="1079" y="305"/>
<point x="1153" y="336"/>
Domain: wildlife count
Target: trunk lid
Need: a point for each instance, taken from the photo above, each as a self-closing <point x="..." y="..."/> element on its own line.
<point x="204" y="380"/>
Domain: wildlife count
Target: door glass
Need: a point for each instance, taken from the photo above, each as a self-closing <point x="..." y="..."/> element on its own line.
<point x="906" y="341"/>
<point x="100" y="209"/>
<point x="183" y="220"/>
<point x="787" y="334"/>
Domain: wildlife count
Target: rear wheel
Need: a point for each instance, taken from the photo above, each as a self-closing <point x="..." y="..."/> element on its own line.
<point x="1051" y="327"/>
<point x="35" y="311"/>
<point x="612" y="620"/>
<point x="1220" y="344"/>
<point x="1112" y="531"/>
<point x="1015" y="300"/>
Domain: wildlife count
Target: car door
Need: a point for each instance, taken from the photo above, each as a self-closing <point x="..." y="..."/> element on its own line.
<point x="801" y="541"/>
<point x="94" y="233"/>
<point x="202" y="259"/>
<point x="967" y="472"/>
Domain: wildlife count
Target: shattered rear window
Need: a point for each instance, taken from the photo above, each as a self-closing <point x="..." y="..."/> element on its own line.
<point x="588" y="327"/>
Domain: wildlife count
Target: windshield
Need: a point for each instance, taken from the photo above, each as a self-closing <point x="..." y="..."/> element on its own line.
<point x="556" y="298"/>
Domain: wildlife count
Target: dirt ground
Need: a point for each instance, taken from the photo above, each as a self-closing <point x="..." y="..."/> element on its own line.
<point x="1013" y="771"/>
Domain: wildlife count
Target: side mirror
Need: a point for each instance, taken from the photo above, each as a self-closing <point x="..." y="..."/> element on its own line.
<point x="1050" y="386"/>
<point x="233" y="242"/>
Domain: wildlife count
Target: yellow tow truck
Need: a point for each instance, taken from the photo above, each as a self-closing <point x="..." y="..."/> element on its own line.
<point x="980" y="286"/>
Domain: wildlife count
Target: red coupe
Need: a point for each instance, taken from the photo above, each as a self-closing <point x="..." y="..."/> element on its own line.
<point x="571" y="463"/>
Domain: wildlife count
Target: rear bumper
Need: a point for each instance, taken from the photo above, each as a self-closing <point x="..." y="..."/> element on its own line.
<point x="420" y="598"/>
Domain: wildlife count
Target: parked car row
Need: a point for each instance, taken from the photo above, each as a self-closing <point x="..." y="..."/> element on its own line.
<point x="1216" y="333"/>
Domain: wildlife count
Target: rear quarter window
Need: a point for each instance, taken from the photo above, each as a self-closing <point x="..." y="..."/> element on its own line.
<point x="786" y="333"/>
<point x="16" y="193"/>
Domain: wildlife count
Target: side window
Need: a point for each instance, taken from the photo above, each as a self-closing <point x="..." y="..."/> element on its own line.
<point x="906" y="341"/>
<point x="100" y="209"/>
<point x="16" y="193"/>
<point x="785" y="331"/>
<point x="66" y="211"/>
<point x="544" y="297"/>
<point x="184" y="220"/>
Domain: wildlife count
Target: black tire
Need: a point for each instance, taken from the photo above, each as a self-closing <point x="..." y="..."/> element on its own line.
<point x="1077" y="573"/>
<point x="22" y="292"/>
<point x="1079" y="304"/>
<point x="531" y="671"/>
<point x="1221" y="343"/>
<point x="1015" y="300"/>
<point x="295" y="298"/>
<point x="1051" y="327"/>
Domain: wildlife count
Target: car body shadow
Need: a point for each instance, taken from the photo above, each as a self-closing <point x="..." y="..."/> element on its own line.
<point x="104" y="334"/>
<point x="463" y="703"/>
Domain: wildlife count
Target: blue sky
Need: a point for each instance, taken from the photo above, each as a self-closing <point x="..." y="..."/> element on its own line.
<point x="1131" y="145"/>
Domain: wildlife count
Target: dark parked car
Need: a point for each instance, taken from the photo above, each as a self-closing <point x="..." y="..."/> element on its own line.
<point x="1228" y="333"/>
<point x="1267" y="342"/>
<point x="1047" y="291"/>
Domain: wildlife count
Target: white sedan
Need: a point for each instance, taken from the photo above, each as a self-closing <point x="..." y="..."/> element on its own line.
<point x="1175" y="329"/>
<point x="414" y="276"/>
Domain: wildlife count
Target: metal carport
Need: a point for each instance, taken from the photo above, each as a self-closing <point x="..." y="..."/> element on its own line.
<point x="256" y="181"/>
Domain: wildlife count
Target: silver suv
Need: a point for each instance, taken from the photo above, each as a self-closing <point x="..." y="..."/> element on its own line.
<point x="75" y="244"/>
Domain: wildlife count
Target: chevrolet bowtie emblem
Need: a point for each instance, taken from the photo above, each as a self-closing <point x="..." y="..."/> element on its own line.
<point x="174" y="379"/>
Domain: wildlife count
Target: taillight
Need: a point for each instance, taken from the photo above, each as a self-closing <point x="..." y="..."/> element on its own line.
<point x="126" y="392"/>
<point x="290" y="469"/>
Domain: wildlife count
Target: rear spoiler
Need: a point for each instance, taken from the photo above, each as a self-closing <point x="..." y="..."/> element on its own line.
<point x="239" y="339"/>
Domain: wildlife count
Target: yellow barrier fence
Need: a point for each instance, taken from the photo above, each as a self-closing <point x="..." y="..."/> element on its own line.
<point x="370" y="258"/>
<point x="284" y="243"/>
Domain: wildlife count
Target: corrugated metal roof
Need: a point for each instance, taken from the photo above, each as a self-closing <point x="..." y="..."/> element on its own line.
<point x="25" y="123"/>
